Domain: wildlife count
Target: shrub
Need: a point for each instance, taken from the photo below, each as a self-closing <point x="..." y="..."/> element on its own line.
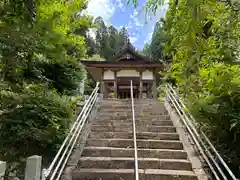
<point x="33" y="121"/>
<point x="215" y="102"/>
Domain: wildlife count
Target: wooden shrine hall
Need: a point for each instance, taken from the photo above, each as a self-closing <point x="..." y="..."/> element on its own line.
<point x="116" y="73"/>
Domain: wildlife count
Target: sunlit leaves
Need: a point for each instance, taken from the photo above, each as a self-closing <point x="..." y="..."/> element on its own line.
<point x="39" y="54"/>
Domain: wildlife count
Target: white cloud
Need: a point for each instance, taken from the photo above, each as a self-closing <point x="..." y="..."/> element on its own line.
<point x="92" y="33"/>
<point x="132" y="34"/>
<point x="120" y="4"/>
<point x="103" y="8"/>
<point x="129" y="25"/>
<point x="135" y="12"/>
<point x="150" y="22"/>
<point x="133" y="39"/>
<point x="119" y="27"/>
<point x="138" y="24"/>
<point x="134" y="20"/>
<point x="149" y="37"/>
<point x="153" y="27"/>
<point x="161" y="11"/>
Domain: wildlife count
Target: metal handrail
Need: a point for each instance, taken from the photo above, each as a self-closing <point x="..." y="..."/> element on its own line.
<point x="134" y="135"/>
<point x="70" y="140"/>
<point x="209" y="142"/>
<point x="201" y="140"/>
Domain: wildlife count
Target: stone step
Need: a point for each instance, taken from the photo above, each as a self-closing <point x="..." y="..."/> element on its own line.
<point x="129" y="110"/>
<point x="129" y="113"/>
<point x="137" y="122"/>
<point x="138" y="118"/>
<point x="115" y="107"/>
<point x="129" y="152"/>
<point x="128" y="163"/>
<point x="136" y="101"/>
<point x="129" y="116"/>
<point x="128" y="174"/>
<point x="140" y="135"/>
<point x="129" y="104"/>
<point x="128" y="101"/>
<point x="128" y="128"/>
<point x="128" y="143"/>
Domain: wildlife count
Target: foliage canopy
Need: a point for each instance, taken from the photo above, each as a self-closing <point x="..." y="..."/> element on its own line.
<point x="39" y="70"/>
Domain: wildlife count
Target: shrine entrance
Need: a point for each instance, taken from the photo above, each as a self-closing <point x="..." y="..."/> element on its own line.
<point x="124" y="92"/>
<point x="124" y="87"/>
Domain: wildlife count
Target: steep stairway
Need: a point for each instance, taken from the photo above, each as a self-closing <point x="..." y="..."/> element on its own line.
<point x="109" y="151"/>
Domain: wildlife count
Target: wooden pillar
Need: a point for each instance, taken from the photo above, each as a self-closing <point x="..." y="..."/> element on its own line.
<point x="147" y="91"/>
<point x="140" y="89"/>
<point x="102" y="84"/>
<point x="102" y="89"/>
<point x="154" y="87"/>
<point x="115" y="84"/>
<point x="140" y="86"/>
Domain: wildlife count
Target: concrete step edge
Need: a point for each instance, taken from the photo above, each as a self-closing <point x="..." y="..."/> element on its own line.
<point x="128" y="162"/>
<point x="142" y="149"/>
<point x="131" y="159"/>
<point x="146" y="123"/>
<point x="100" y="125"/>
<point x="101" y="128"/>
<point x="140" y="135"/>
<point x="142" y="171"/>
<point x="130" y="120"/>
<point x="143" y="140"/>
<point x="146" y="132"/>
<point x="128" y="143"/>
<point x="96" y="151"/>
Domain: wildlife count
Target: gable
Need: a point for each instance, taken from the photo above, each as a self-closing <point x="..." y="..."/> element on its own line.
<point x="128" y="56"/>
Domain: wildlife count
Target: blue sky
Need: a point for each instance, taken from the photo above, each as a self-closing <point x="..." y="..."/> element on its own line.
<point x="117" y="13"/>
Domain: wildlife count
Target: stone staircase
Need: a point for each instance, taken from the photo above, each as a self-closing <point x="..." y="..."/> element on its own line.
<point x="109" y="153"/>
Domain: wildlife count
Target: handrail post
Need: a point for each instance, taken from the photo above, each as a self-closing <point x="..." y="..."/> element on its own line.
<point x="33" y="168"/>
<point x="3" y="166"/>
<point x="134" y="136"/>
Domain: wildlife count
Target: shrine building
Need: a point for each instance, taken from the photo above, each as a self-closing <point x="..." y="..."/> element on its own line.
<point x="116" y="73"/>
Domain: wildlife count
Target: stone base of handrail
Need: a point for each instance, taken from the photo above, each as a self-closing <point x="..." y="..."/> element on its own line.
<point x="32" y="170"/>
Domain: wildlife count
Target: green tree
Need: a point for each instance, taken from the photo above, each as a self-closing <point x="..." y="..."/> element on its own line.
<point x="158" y="38"/>
<point x="108" y="40"/>
<point x="123" y="38"/>
<point x="146" y="50"/>
<point x="113" y="40"/>
<point x="101" y="37"/>
<point x="91" y="45"/>
<point x="39" y="51"/>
